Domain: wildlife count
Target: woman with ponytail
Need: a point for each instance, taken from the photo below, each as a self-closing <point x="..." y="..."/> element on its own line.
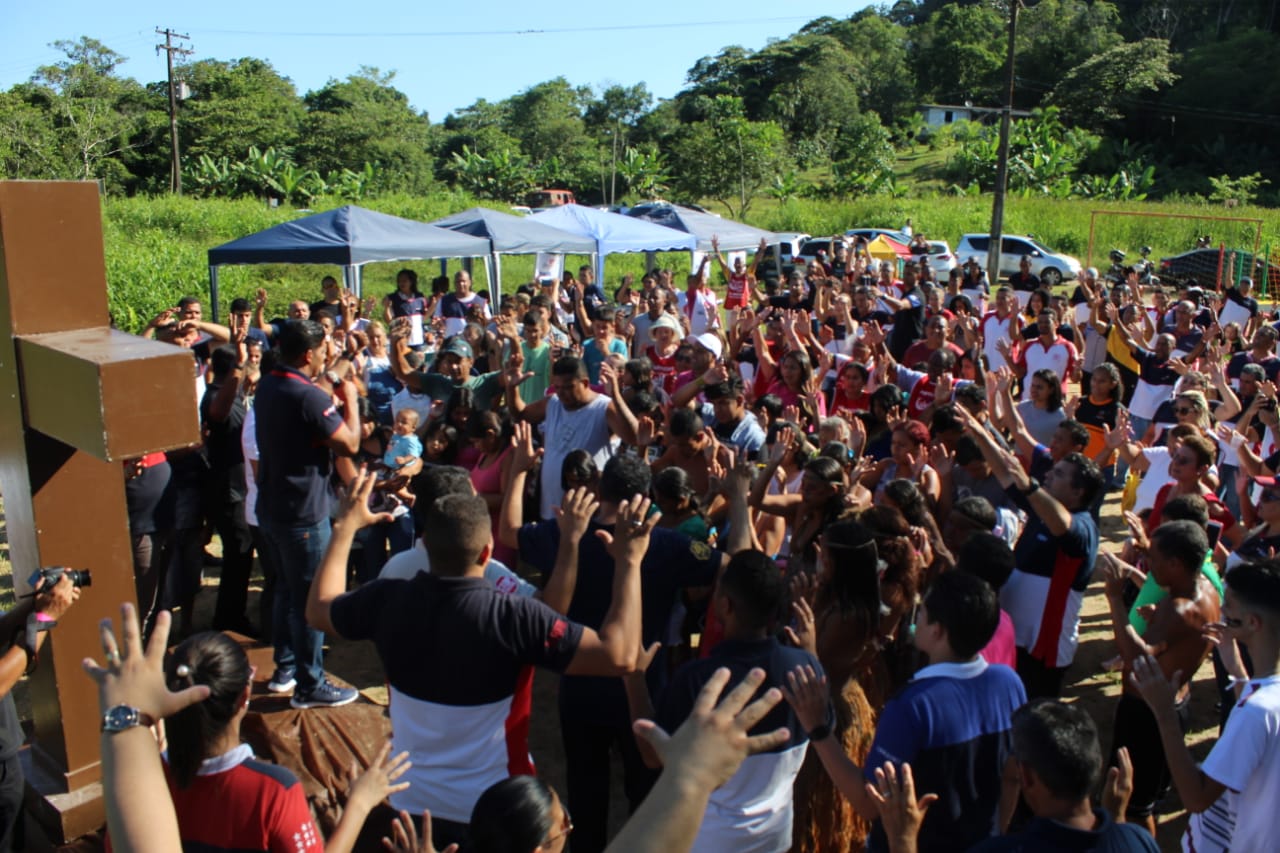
<point x="224" y="797"/>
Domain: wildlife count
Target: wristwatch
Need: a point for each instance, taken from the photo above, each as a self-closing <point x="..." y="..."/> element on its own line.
<point x="822" y="732"/>
<point x="123" y="717"/>
<point x="1032" y="488"/>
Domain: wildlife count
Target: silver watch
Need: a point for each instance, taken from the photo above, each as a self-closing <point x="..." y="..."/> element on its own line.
<point x="122" y="717"/>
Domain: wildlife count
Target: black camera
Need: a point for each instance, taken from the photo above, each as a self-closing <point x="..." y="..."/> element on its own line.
<point x="52" y="574"/>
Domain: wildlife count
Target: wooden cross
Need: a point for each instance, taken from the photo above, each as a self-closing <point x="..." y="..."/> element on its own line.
<point x="76" y="397"/>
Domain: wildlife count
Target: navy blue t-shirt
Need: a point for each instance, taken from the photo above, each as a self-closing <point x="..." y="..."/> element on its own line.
<point x="673" y="562"/>
<point x="1043" y="835"/>
<point x="294" y="419"/>
<point x="455" y="641"/>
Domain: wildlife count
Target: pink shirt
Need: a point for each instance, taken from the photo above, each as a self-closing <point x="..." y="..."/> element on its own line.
<point x="1002" y="648"/>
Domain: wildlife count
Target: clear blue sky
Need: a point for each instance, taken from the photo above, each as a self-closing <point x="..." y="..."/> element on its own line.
<point x="446" y="55"/>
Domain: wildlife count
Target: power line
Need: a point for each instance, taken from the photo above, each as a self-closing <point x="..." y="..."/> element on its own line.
<point x="524" y="32"/>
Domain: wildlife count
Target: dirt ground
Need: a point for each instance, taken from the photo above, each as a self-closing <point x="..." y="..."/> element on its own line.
<point x="1087" y="683"/>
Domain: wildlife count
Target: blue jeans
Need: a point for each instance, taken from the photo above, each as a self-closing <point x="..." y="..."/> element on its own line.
<point x="296" y="553"/>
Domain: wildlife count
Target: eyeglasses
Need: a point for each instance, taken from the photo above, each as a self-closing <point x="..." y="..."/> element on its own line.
<point x="566" y="827"/>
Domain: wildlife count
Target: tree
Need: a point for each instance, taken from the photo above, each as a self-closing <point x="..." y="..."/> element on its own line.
<point x="93" y="112"/>
<point x="959" y="53"/>
<point x="1101" y="88"/>
<point x="611" y="118"/>
<point x="364" y="119"/>
<point x="236" y="104"/>
<point x="547" y="120"/>
<point x="1056" y="35"/>
<point x="728" y="157"/>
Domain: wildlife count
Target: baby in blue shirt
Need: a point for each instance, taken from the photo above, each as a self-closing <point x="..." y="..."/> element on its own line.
<point x="405" y="446"/>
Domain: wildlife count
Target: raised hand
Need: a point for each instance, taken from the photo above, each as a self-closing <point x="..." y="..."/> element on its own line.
<point x="646" y="431"/>
<point x="1119" y="786"/>
<point x="942" y="460"/>
<point x="404" y="836"/>
<point x="575" y="512"/>
<point x="808" y="695"/>
<point x="136" y="678"/>
<point x="630" y="537"/>
<point x="378" y="781"/>
<point x="901" y="813"/>
<point x="804" y="635"/>
<point x="260" y="298"/>
<point x="1157" y="691"/>
<point x="524" y="457"/>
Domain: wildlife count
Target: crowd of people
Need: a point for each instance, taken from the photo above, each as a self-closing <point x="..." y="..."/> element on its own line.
<point x="867" y="496"/>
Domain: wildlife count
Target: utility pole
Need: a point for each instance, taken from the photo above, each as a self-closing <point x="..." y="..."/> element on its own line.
<point x="175" y="183"/>
<point x="1002" y="155"/>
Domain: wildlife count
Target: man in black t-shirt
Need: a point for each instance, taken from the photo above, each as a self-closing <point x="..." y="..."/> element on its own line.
<point x="458" y="653"/>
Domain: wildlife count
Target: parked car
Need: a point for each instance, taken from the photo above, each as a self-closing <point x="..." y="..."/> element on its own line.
<point x="1050" y="266"/>
<point x="941" y="258"/>
<point x="1202" y="265"/>
<point x="551" y="198"/>
<point x="781" y="256"/>
<point x="809" y="249"/>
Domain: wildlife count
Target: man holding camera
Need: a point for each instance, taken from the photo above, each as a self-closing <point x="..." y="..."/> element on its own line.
<point x="25" y="626"/>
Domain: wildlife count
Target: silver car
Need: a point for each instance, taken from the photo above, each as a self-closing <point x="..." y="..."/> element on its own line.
<point x="1051" y="267"/>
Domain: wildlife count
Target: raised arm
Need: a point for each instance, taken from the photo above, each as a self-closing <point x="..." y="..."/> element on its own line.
<point x="573" y="517"/>
<point x="615" y="647"/>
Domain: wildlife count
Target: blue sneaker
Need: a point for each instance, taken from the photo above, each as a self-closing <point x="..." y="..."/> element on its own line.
<point x="283" y="680"/>
<point x="326" y="694"/>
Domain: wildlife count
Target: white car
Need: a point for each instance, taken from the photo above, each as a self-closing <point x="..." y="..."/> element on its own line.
<point x="783" y="254"/>
<point x="1051" y="267"/>
<point x="941" y="258"/>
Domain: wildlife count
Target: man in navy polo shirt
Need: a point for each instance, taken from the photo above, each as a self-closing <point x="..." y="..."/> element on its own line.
<point x="952" y="723"/>
<point x="753" y="810"/>
<point x="456" y="650"/>
<point x="299" y="427"/>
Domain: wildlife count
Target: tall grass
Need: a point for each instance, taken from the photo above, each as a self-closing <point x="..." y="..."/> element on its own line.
<point x="156" y="248"/>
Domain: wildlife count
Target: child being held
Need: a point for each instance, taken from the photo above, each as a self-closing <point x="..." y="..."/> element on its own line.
<point x="404" y="447"/>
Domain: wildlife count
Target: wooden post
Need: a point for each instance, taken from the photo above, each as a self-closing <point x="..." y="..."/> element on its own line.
<point x="76" y="397"/>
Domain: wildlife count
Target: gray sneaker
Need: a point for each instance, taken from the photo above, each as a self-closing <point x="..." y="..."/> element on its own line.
<point x="326" y="694"/>
<point x="283" y="680"/>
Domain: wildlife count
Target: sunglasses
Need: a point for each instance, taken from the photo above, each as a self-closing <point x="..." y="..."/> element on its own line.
<point x="1183" y="410"/>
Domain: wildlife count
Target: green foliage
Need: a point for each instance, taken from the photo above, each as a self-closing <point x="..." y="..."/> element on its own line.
<point x="959" y="53"/>
<point x="645" y="172"/>
<point x="500" y="176"/>
<point x="1101" y="88"/>
<point x="728" y="157"/>
<point x="365" y="119"/>
<point x="1236" y="191"/>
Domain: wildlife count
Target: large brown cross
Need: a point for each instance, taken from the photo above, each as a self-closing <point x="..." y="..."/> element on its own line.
<point x="76" y="397"/>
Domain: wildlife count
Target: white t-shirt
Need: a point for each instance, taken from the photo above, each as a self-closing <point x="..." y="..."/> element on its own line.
<point x="405" y="565"/>
<point x="1157" y="475"/>
<point x="406" y="399"/>
<point x="1059" y="357"/>
<point x="249" y="446"/>
<point x="993" y="329"/>
<point x="705" y="313"/>
<point x="1246" y="759"/>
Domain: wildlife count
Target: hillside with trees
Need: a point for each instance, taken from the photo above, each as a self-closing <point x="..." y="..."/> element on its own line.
<point x="1126" y="99"/>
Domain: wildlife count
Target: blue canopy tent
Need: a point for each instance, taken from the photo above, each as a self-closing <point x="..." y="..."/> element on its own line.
<point x="349" y="237"/>
<point x="614" y="233"/>
<point x="732" y="236"/>
<point x="515" y="235"/>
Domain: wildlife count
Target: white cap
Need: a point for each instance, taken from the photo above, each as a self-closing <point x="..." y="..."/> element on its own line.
<point x="710" y="342"/>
